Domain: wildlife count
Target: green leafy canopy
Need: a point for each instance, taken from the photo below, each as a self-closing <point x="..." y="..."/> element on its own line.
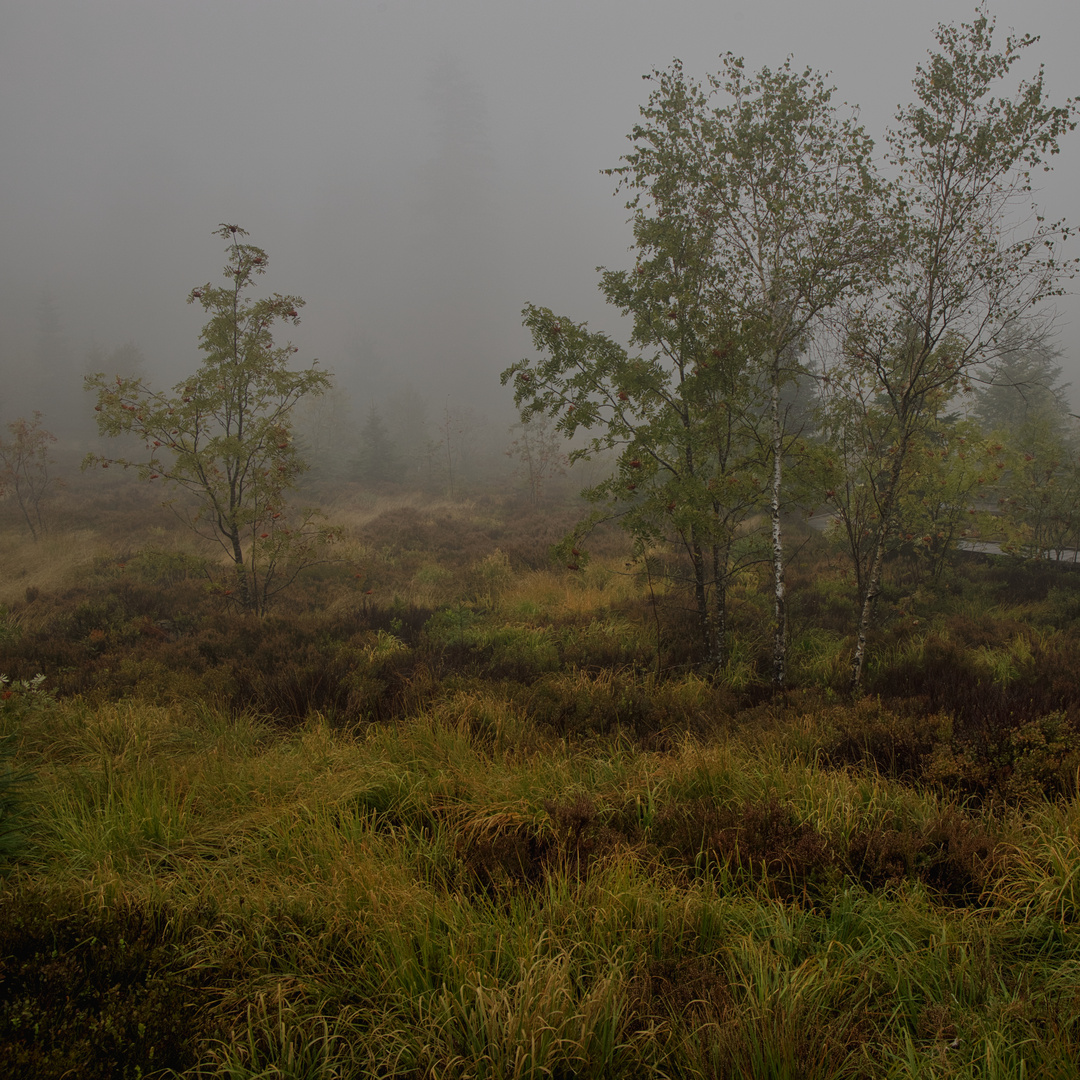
<point x="224" y="435"/>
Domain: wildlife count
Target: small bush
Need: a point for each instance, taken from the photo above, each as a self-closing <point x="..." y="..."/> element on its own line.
<point x="581" y="833"/>
<point x="505" y="853"/>
<point x="952" y="854"/>
<point x="759" y="842"/>
<point x="896" y="742"/>
<point x="95" y="994"/>
<point x="12" y="806"/>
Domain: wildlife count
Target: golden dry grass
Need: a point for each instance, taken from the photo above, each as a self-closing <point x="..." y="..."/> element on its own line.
<point x="352" y="509"/>
<point x="60" y="559"/>
<point x="605" y="583"/>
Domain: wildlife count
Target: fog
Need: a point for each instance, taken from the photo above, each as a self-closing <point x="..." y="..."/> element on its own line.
<point x="416" y="169"/>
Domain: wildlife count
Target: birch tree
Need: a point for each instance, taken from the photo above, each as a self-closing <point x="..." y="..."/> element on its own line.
<point x="788" y="187"/>
<point x="752" y="218"/>
<point x="972" y="257"/>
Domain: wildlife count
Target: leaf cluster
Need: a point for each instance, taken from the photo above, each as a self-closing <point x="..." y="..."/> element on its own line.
<point x="225" y="434"/>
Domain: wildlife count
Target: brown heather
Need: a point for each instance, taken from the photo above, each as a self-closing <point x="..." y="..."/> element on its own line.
<point x="454" y="810"/>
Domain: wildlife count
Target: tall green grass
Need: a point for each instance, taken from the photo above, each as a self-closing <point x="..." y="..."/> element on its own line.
<point x="480" y="831"/>
<point x="462" y="895"/>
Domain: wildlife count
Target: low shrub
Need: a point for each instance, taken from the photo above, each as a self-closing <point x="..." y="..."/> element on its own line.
<point x="506" y="854"/>
<point x="13" y="809"/>
<point x="761" y="843"/>
<point x="897" y="740"/>
<point x="92" y="993"/>
<point x="951" y="853"/>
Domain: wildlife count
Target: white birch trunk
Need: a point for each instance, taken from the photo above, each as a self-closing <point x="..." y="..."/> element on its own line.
<point x="877" y="567"/>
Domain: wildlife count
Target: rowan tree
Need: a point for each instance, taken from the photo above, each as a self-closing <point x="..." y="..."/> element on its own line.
<point x="225" y="435"/>
<point x="688" y="470"/>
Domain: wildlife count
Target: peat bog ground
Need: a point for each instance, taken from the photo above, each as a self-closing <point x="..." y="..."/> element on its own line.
<point x="452" y="810"/>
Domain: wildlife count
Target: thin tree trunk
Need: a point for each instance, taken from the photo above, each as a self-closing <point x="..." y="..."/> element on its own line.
<point x="25" y="512"/>
<point x="242" y="584"/>
<point x="449" y="453"/>
<point x="779" y="597"/>
<point x="877" y="566"/>
<point x="719" y="628"/>
<point x="701" y="597"/>
<point x="655" y="614"/>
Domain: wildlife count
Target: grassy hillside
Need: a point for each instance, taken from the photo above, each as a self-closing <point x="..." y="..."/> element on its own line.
<point x="453" y="811"/>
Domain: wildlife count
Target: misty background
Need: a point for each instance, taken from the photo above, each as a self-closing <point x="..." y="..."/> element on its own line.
<point x="416" y="169"/>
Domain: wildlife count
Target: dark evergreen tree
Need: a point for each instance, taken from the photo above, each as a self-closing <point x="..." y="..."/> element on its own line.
<point x="419" y="452"/>
<point x="1022" y="387"/>
<point x="379" y="461"/>
<point x="55" y="381"/>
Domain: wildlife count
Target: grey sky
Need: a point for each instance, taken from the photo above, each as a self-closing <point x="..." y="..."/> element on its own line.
<point x="416" y="169"/>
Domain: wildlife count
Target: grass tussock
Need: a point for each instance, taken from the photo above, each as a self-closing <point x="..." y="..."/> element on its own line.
<point x="457" y="812"/>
